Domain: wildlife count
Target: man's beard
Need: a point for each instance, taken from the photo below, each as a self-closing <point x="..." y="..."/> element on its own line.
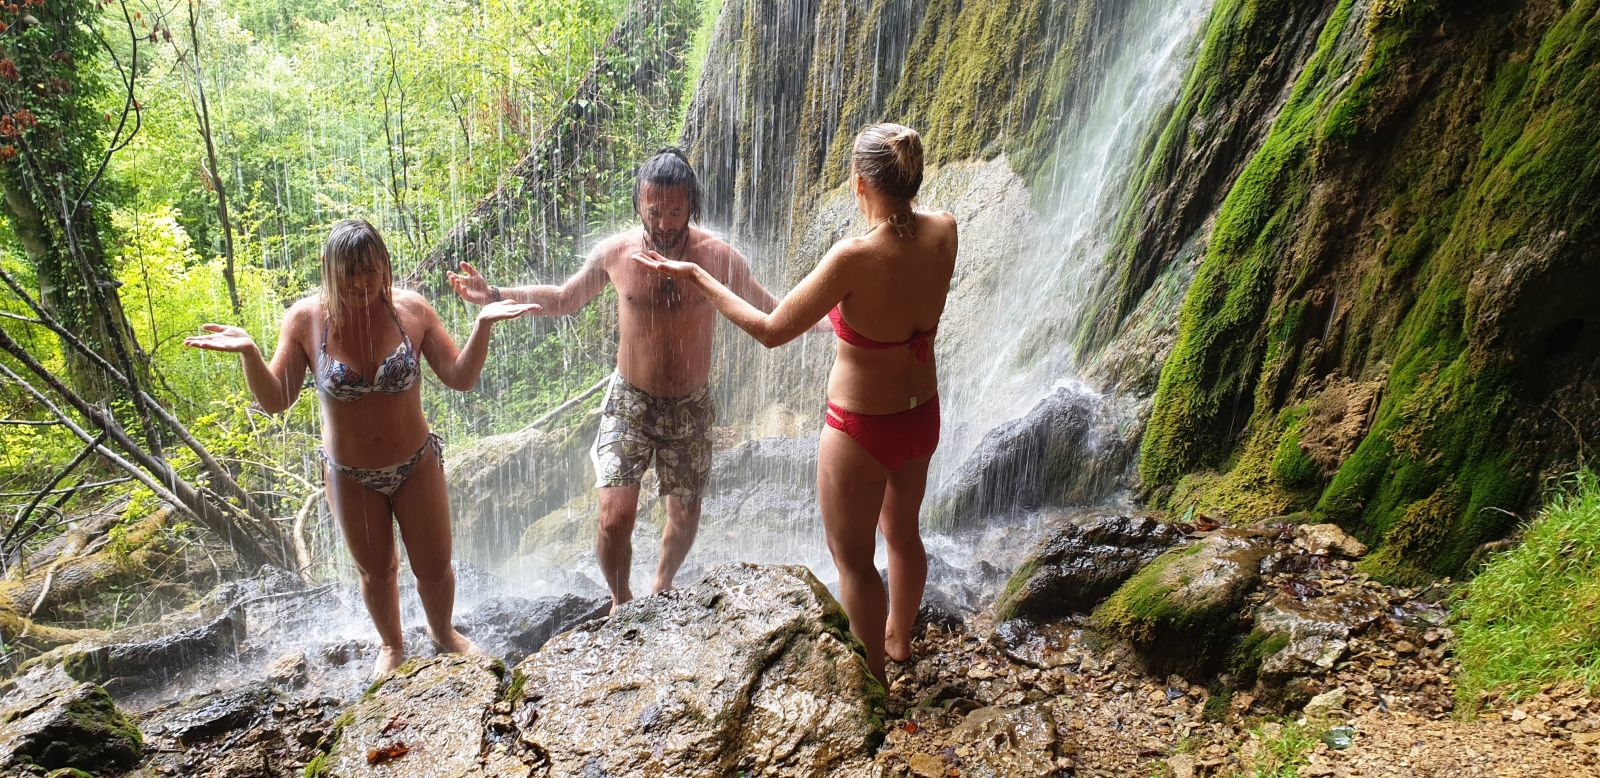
<point x="667" y="241"/>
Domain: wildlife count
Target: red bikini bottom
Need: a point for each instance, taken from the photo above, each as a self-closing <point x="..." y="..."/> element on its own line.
<point x="891" y="438"/>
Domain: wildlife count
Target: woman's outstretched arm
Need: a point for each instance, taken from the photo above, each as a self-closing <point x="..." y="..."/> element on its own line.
<point x="797" y="312"/>
<point x="459" y="368"/>
<point x="275" y="385"/>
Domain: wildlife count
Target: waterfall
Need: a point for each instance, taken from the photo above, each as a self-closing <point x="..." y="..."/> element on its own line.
<point x="1044" y="293"/>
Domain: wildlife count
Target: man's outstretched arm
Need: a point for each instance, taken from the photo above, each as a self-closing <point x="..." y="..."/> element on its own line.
<point x="561" y="300"/>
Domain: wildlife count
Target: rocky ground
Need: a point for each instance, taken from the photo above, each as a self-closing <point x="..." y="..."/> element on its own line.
<point x="1007" y="699"/>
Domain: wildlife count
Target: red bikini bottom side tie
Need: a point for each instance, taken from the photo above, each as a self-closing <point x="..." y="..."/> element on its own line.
<point x="891" y="438"/>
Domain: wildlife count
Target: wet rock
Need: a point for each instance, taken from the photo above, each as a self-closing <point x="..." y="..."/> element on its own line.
<point x="152" y="653"/>
<point x="1036" y="460"/>
<point x="1325" y="539"/>
<point x="1314" y="633"/>
<point x="208" y="715"/>
<point x="1181" y="609"/>
<point x="1326" y="704"/>
<point x="501" y="483"/>
<point x="750" y="669"/>
<point x="429" y="717"/>
<point x="1082" y="563"/>
<point x="1009" y="741"/>
<point x="514" y="627"/>
<point x="288" y="671"/>
<point x="49" y="720"/>
<point x="1045" y="647"/>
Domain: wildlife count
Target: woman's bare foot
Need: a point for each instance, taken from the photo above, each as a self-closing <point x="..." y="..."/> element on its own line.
<point x="389" y="658"/>
<point x="456" y="643"/>
<point x="896" y="648"/>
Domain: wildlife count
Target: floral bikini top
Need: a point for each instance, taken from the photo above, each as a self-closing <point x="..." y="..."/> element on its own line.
<point x="397" y="373"/>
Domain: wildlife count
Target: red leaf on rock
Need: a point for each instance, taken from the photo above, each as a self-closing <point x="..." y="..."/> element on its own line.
<point x="383" y="754"/>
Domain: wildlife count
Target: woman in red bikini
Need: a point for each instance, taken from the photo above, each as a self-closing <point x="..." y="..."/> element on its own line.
<point x="383" y="464"/>
<point x="884" y="293"/>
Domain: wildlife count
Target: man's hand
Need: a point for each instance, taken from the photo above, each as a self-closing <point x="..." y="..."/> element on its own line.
<point x="471" y="286"/>
<point x="224" y="338"/>
<point x="505" y="309"/>
<point x="670" y="267"/>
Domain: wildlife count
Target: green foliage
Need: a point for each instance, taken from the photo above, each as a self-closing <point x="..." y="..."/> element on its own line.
<point x="1280" y="749"/>
<point x="1531" y="616"/>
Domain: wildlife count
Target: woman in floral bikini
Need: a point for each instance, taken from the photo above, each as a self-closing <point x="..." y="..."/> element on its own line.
<point x="384" y="466"/>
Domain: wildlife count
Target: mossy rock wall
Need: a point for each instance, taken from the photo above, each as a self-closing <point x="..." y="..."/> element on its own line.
<point x="1422" y="213"/>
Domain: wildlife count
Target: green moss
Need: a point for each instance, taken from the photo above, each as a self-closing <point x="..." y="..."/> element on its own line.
<point x="1207" y="382"/>
<point x="514" y="691"/>
<point x="1005" y="608"/>
<point x="1217" y="704"/>
<point x="1456" y="142"/>
<point x="1143" y="609"/>
<point x="1244" y="661"/>
<point x="1291" y="465"/>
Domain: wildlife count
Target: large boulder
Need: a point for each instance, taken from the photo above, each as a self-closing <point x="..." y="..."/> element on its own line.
<point x="1070" y="449"/>
<point x="431" y="717"/>
<point x="48" y="721"/>
<point x="514" y="627"/>
<point x="1080" y="564"/>
<point x="1181" y="610"/>
<point x="750" y="670"/>
<point x="147" y="654"/>
<point x="501" y="483"/>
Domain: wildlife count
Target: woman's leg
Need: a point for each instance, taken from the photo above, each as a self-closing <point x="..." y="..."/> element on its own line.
<point x="850" y="487"/>
<point x="908" y="561"/>
<point x="368" y="530"/>
<point x="422" y="508"/>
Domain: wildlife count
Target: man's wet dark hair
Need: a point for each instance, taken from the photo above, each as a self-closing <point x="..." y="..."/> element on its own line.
<point x="669" y="168"/>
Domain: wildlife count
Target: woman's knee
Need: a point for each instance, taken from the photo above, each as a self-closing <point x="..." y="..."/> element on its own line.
<point x="379" y="573"/>
<point x="433" y="573"/>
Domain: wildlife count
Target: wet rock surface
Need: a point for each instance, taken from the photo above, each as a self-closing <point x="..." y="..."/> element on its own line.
<point x="430" y="717"/>
<point x="149" y="654"/>
<point x="514" y="627"/>
<point x="1182" y="609"/>
<point x="49" y="721"/>
<point x="1039" y="459"/>
<point x="748" y="670"/>
<point x="1081" y="563"/>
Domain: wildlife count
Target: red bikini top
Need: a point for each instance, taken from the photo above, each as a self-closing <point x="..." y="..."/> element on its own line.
<point x="921" y="343"/>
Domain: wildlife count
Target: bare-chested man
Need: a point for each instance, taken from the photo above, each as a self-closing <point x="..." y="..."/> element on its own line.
<point x="658" y="405"/>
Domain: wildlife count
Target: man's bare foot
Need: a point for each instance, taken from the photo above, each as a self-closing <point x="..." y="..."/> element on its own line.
<point x="389" y="658"/>
<point x="660" y="587"/>
<point x="896" y="648"/>
<point x="456" y="643"/>
<point x="617" y="603"/>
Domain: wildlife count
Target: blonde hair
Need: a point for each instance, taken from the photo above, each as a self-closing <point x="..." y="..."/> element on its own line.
<point x="352" y="244"/>
<point x="889" y="157"/>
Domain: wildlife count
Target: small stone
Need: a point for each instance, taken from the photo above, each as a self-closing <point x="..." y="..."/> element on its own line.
<point x="1405" y="647"/>
<point x="927" y="765"/>
<point x="1326" y="704"/>
<point x="289" y="670"/>
<point x="1517" y="714"/>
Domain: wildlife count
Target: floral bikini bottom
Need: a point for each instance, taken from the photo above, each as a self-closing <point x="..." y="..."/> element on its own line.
<point x="387" y="480"/>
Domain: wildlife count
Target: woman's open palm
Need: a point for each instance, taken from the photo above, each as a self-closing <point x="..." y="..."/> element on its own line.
<point x="223" y="337"/>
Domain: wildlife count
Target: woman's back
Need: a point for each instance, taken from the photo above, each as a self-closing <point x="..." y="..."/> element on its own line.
<point x="898" y="286"/>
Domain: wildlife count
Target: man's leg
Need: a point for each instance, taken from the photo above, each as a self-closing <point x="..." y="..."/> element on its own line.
<point x="619" y="506"/>
<point x="683" y="464"/>
<point x="683" y="521"/>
